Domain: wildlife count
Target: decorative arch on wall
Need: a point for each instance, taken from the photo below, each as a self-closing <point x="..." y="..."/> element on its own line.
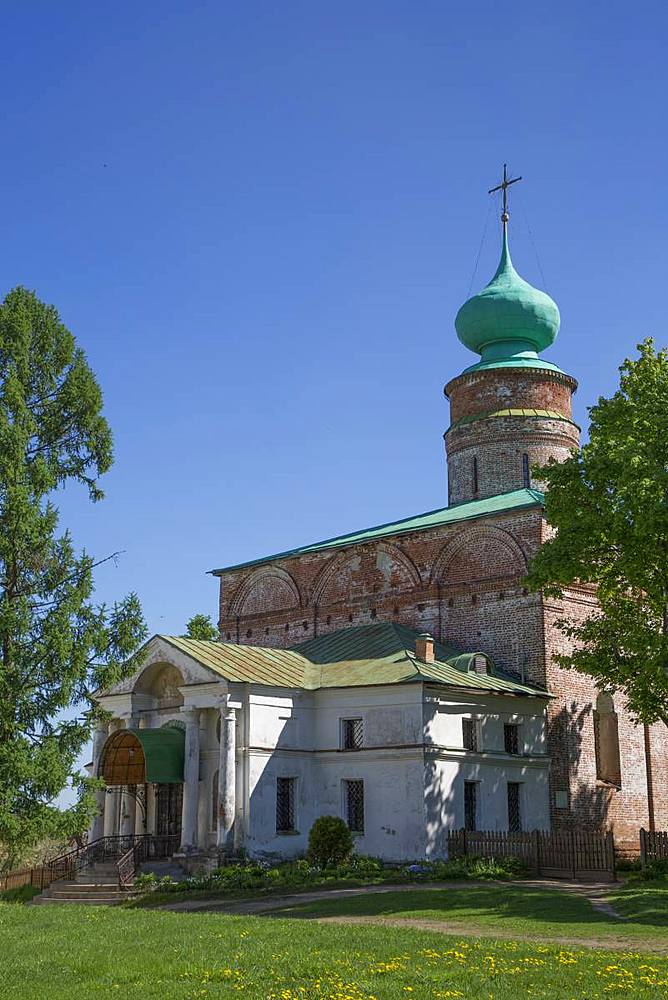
<point x="479" y="553"/>
<point x="265" y="589"/>
<point x="162" y="681"/>
<point x="389" y="561"/>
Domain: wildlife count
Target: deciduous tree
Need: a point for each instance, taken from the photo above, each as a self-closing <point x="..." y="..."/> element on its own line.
<point x="609" y="506"/>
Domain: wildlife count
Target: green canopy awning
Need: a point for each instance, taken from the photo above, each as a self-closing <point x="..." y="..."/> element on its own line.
<point x="135" y="756"/>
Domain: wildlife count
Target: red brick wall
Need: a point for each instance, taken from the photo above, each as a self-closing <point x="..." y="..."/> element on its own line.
<point x="498" y="388"/>
<point x="498" y="445"/>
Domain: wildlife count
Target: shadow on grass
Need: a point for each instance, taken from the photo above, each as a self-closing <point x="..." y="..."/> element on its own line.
<point x="508" y="904"/>
<point x="643" y="904"/>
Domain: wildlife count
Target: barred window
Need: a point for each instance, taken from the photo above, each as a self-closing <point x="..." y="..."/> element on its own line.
<point x="475" y="476"/>
<point x="514" y="808"/>
<point x="470" y="734"/>
<point x="470" y="805"/>
<point x="511" y="737"/>
<point x="285" y="805"/>
<point x="352" y="734"/>
<point x="353" y="792"/>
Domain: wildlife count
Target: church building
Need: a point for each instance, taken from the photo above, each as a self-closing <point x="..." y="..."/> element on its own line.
<point x="401" y="676"/>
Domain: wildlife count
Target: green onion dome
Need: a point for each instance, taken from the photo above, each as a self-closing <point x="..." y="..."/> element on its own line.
<point x="509" y="320"/>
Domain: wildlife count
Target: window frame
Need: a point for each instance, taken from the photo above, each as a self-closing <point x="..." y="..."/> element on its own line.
<point x="292" y="779"/>
<point x="520" y="825"/>
<point x="473" y="785"/>
<point x="346" y="784"/>
<point x="517" y="728"/>
<point x="477" y="730"/>
<point x="343" y="727"/>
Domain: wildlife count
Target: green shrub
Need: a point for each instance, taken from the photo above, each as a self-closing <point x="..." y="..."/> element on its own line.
<point x="330" y="842"/>
<point x="21" y="894"/>
<point x="656" y="870"/>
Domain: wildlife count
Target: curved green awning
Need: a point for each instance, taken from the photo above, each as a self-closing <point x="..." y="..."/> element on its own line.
<point x="163" y="752"/>
<point x="135" y="756"/>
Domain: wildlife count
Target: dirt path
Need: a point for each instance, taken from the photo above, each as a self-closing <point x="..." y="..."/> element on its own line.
<point x="595" y="893"/>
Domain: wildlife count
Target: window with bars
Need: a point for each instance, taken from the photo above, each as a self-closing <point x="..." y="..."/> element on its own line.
<point x="353" y="792"/>
<point x="285" y="805"/>
<point x="514" y="807"/>
<point x="511" y="737"/>
<point x="352" y="734"/>
<point x="470" y="734"/>
<point x="470" y="805"/>
<point x="475" y="476"/>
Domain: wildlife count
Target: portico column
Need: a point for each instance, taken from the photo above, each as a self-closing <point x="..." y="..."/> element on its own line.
<point x="113" y="799"/>
<point x="128" y="798"/>
<point x="227" y="779"/>
<point x="98" y="824"/>
<point x="190" y="782"/>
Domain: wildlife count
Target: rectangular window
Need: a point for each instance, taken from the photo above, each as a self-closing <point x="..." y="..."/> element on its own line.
<point x="470" y="734"/>
<point x="352" y="734"/>
<point x="353" y="794"/>
<point x="470" y="805"/>
<point x="526" y="472"/>
<point x="514" y="809"/>
<point x="475" y="476"/>
<point x="285" y="804"/>
<point x="511" y="738"/>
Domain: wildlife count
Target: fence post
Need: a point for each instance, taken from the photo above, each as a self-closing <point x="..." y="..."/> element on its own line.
<point x="573" y="861"/>
<point x="537" y="850"/>
<point x="464" y="844"/>
<point x="643" y="849"/>
<point x="611" y="854"/>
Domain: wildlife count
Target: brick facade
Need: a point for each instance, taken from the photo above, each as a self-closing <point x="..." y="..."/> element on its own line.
<point x="464" y="583"/>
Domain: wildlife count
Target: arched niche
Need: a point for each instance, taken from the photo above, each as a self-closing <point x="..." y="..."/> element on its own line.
<point x="379" y="569"/>
<point x="265" y="589"/>
<point x="162" y="682"/>
<point x="479" y="553"/>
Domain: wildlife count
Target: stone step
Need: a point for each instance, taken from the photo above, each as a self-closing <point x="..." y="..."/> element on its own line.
<point x="106" y="901"/>
<point x="71" y="894"/>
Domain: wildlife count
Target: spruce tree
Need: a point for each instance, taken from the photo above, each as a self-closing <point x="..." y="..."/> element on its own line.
<point x="57" y="646"/>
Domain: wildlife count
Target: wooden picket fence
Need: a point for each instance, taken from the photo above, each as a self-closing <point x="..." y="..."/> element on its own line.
<point x="653" y="846"/>
<point x="567" y="854"/>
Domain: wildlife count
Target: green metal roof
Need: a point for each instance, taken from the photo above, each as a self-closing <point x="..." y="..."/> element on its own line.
<point x="163" y="752"/>
<point x="515" y="500"/>
<point x="364" y="655"/>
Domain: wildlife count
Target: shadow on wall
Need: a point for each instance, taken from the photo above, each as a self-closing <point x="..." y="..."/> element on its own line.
<point x="588" y="807"/>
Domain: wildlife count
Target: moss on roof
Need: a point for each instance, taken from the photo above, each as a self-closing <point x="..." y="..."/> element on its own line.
<point x="379" y="653"/>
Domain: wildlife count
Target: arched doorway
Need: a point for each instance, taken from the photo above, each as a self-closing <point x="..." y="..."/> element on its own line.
<point x="143" y="762"/>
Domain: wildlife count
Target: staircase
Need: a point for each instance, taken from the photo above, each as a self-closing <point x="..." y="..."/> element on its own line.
<point x="94" y="886"/>
<point x="101" y="872"/>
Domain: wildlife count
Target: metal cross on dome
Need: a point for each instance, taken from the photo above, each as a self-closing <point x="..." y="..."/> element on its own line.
<point x="503" y="186"/>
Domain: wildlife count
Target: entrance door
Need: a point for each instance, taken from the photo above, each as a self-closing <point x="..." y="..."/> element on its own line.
<point x="169" y="800"/>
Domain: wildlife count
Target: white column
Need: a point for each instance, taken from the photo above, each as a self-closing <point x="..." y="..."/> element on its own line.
<point x="227" y="779"/>
<point x="113" y="799"/>
<point x="128" y="798"/>
<point x="98" y="824"/>
<point x="190" y="782"/>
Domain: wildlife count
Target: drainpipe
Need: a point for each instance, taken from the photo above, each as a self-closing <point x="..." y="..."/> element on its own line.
<point x="648" y="772"/>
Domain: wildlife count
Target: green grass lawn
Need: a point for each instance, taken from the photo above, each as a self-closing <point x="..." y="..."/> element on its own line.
<point x="524" y="911"/>
<point x="98" y="952"/>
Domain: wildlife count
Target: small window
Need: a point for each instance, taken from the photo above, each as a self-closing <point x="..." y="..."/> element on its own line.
<point x="353" y="794"/>
<point x="514" y="807"/>
<point x="470" y="805"/>
<point x="470" y="734"/>
<point x="526" y="473"/>
<point x="511" y="738"/>
<point x="352" y="734"/>
<point x="475" y="476"/>
<point x="285" y="805"/>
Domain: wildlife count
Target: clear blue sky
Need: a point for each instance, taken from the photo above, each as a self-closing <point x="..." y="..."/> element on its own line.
<point x="260" y="219"/>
